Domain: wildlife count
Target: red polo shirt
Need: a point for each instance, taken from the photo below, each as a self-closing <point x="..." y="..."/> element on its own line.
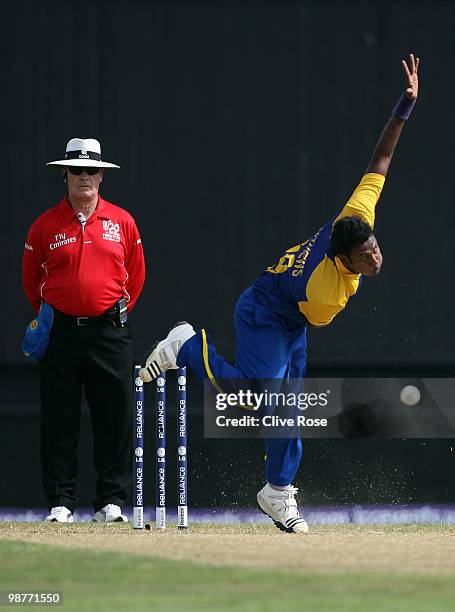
<point x="83" y="271"/>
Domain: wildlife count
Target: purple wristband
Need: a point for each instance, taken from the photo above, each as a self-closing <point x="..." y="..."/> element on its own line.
<point x="403" y="107"/>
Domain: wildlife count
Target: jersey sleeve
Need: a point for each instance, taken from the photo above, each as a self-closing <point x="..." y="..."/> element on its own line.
<point x="135" y="265"/>
<point x="362" y="202"/>
<point x="32" y="266"/>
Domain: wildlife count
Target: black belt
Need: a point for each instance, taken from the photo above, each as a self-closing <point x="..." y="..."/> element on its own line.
<point x="116" y="315"/>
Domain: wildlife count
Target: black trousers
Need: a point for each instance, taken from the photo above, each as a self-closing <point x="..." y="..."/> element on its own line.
<point x="97" y="358"/>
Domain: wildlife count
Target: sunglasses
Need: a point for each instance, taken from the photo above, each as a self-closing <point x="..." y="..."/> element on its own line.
<point x="78" y="170"/>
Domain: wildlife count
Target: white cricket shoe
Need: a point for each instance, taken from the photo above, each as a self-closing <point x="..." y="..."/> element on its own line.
<point x="110" y="513"/>
<point x="164" y="354"/>
<point x="60" y="514"/>
<point x="281" y="506"/>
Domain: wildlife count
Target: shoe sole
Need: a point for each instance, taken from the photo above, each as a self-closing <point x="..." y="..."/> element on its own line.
<point x="117" y="520"/>
<point x="277" y="524"/>
<point x="153" y="368"/>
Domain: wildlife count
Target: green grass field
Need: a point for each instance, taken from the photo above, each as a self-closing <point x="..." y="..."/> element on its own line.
<point x="115" y="568"/>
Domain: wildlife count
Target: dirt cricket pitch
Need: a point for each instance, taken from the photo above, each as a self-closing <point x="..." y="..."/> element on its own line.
<point x="222" y="568"/>
<point x="422" y="549"/>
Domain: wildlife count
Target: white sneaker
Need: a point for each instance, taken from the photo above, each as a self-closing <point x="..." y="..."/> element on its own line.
<point x="281" y="506"/>
<point x="164" y="354"/>
<point x="60" y="514"/>
<point x="111" y="513"/>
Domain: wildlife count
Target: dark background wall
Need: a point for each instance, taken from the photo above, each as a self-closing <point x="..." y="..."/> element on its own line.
<point x="240" y="127"/>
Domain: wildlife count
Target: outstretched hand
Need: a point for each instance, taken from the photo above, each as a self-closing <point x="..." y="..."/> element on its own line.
<point x="412" y="79"/>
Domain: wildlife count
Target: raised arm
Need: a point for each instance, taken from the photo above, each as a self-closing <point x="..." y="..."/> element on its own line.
<point x="382" y="155"/>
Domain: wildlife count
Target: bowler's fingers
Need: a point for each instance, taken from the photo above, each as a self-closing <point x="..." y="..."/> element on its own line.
<point x="406" y="72"/>
<point x="414" y="62"/>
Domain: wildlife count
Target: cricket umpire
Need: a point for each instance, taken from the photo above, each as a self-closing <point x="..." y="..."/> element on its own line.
<point x="83" y="262"/>
<point x="310" y="285"/>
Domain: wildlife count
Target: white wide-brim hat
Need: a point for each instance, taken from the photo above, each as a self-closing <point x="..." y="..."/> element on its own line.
<point x="83" y="152"/>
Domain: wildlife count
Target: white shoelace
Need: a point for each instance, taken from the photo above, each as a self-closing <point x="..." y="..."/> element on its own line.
<point x="165" y="361"/>
<point x="292" y="510"/>
<point x="287" y="502"/>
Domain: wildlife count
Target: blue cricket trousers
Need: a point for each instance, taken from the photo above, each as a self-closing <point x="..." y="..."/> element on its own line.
<point x="264" y="349"/>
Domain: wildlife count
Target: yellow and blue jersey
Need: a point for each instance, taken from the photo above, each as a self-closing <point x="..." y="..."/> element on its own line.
<point x="309" y="283"/>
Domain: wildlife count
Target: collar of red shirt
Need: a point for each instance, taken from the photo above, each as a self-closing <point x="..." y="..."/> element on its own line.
<point x="69" y="213"/>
